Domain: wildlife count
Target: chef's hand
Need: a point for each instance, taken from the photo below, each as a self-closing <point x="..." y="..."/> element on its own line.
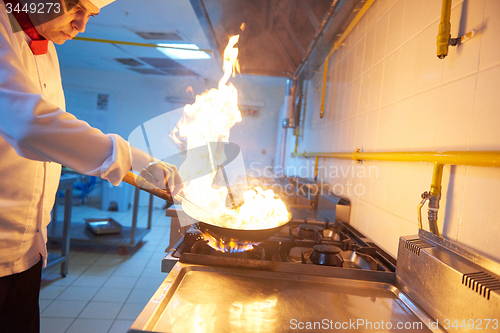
<point x="164" y="176"/>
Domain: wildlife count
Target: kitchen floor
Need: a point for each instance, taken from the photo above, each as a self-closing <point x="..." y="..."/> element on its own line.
<point x="104" y="291"/>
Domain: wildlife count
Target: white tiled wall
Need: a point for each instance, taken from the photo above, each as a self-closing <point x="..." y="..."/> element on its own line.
<point x="388" y="91"/>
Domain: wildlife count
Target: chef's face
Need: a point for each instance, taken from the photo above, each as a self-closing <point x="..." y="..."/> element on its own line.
<point x="68" y="25"/>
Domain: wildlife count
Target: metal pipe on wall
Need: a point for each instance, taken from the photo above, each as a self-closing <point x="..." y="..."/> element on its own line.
<point x="470" y="158"/>
<point x="444" y="34"/>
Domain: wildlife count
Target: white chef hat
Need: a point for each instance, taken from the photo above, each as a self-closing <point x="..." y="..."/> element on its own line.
<point x="101" y="3"/>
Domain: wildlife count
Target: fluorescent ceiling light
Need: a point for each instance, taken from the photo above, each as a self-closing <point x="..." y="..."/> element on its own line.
<point x="192" y="52"/>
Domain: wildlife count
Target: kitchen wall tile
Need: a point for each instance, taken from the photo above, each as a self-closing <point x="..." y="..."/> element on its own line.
<point x="451" y="200"/>
<point x="475" y="229"/>
<point x="342" y="69"/>
<point x="384" y="6"/>
<point x="396" y="187"/>
<point x="350" y="144"/>
<point x="453" y="122"/>
<point x="353" y="219"/>
<point x="379" y="50"/>
<point x="54" y="325"/>
<point x="364" y="94"/>
<point x="486" y="118"/>
<point x="408" y="228"/>
<point x="355" y="96"/>
<point x="346" y="103"/>
<point x="361" y="131"/>
<point x="350" y="66"/>
<point x="418" y="180"/>
<point x="391" y="226"/>
<point x="372" y="131"/>
<point x="371" y="15"/>
<point x="342" y="147"/>
<point x="369" y="49"/>
<point x="423" y="131"/>
<point x="334" y="143"/>
<point x="396" y="14"/>
<point x="362" y="183"/>
<point x="390" y="77"/>
<point x="379" y="185"/>
<point x="64" y="309"/>
<point x="363" y="216"/>
<point x="402" y="114"/>
<point x="373" y="226"/>
<point x="359" y="58"/>
<point x="385" y="127"/>
<point x="81" y="325"/>
<point x="377" y="75"/>
<point x="408" y="66"/>
<point x="430" y="67"/>
<point x="490" y="48"/>
<point x="463" y="59"/>
<point x="432" y="13"/>
<point x="412" y="19"/>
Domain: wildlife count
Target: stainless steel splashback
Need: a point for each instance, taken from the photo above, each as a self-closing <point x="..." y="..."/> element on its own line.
<point x="453" y="284"/>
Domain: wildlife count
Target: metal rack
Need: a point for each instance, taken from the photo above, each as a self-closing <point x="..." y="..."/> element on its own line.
<point x="127" y="238"/>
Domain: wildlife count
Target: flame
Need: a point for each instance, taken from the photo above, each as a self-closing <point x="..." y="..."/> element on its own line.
<point x="208" y="120"/>
<point x="229" y="247"/>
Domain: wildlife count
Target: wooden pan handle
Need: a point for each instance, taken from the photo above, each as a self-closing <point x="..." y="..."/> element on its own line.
<point x="143" y="184"/>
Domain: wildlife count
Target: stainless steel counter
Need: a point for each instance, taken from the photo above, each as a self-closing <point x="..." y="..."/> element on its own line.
<point x="196" y="298"/>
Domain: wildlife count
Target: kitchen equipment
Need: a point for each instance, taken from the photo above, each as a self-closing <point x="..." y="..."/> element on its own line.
<point x="241" y="236"/>
<point x="103" y="226"/>
<point x="274" y="286"/>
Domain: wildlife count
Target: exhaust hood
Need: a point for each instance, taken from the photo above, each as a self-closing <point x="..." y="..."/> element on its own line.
<point x="280" y="38"/>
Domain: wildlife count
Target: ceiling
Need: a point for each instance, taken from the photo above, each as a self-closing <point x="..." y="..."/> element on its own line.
<point x="121" y="21"/>
<point x="278" y="35"/>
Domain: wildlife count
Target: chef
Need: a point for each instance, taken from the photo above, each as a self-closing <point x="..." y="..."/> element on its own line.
<point x="37" y="136"/>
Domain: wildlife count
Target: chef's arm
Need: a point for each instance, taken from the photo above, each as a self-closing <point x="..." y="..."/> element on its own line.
<point x="39" y="130"/>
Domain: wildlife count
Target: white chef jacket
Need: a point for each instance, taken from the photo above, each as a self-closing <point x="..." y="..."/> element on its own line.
<point x="36" y="137"/>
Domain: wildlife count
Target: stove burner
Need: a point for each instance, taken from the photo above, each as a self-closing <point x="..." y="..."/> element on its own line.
<point x="308" y="230"/>
<point x="327" y="249"/>
<point x="327" y="255"/>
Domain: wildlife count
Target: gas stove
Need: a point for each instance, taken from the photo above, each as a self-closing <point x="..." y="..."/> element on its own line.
<point x="319" y="274"/>
<point x="307" y="242"/>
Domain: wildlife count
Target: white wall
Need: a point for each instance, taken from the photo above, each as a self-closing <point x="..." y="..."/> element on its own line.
<point x="388" y="91"/>
<point x="135" y="99"/>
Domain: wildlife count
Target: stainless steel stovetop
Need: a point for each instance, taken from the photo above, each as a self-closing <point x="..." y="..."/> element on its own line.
<point x="280" y="285"/>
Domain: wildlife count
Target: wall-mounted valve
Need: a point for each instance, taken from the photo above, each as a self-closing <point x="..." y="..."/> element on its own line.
<point x="444" y="37"/>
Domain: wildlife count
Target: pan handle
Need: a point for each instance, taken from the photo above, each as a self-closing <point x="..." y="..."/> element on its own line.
<point x="138" y="181"/>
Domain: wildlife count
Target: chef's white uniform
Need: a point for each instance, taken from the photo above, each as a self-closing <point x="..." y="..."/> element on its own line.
<point x="36" y="137"/>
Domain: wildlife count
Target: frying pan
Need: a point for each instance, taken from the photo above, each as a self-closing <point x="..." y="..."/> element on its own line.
<point x="222" y="234"/>
<point x="240" y="236"/>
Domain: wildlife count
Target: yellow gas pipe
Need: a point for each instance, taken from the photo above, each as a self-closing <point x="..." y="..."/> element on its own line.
<point x="444" y="34"/>
<point x="471" y="158"/>
<point x="336" y="46"/>
<point x="316" y="168"/>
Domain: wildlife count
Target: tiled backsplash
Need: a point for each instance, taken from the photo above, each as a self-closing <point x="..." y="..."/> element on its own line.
<point x="388" y="91"/>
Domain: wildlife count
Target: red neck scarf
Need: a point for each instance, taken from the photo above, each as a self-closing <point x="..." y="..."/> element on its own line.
<point x="38" y="44"/>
